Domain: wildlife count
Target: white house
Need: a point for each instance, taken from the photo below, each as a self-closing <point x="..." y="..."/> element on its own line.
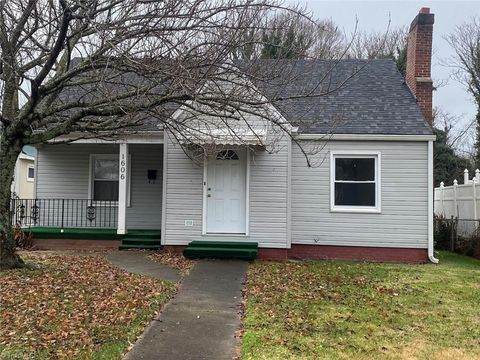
<point x="369" y="194"/>
<point x="24" y="176"/>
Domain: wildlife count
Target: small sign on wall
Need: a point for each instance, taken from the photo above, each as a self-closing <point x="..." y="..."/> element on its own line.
<point x="188" y="222"/>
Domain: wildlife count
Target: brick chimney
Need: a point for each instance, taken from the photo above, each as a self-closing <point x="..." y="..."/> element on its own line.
<point x="419" y="60"/>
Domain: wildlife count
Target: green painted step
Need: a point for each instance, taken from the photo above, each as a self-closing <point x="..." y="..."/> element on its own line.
<point x="139" y="246"/>
<point x="130" y="241"/>
<point x="220" y="253"/>
<point x="142" y="234"/>
<point x="137" y="241"/>
<point x="223" y="244"/>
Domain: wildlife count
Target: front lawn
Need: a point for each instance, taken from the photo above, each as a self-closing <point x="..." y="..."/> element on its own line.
<point x="74" y="307"/>
<point x="346" y="310"/>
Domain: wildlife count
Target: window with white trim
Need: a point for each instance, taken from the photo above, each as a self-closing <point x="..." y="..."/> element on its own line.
<point x="30" y="173"/>
<point x="104" y="172"/>
<point x="104" y="178"/>
<point x="355" y="182"/>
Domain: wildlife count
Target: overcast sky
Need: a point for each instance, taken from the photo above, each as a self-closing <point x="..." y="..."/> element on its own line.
<point x="374" y="15"/>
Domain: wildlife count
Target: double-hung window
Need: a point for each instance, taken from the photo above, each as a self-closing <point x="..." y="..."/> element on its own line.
<point x="104" y="177"/>
<point x="355" y="182"/>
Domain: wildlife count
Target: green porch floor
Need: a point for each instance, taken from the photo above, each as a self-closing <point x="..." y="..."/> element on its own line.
<point x="90" y="233"/>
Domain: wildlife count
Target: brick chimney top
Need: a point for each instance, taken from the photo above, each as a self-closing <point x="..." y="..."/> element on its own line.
<point x="419" y="60"/>
<point x="423" y="18"/>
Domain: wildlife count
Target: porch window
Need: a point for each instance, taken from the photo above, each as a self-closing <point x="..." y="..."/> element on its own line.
<point x="355" y="182"/>
<point x="105" y="178"/>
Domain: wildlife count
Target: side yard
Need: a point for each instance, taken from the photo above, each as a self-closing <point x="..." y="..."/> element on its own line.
<point x="74" y="307"/>
<point x="346" y="310"/>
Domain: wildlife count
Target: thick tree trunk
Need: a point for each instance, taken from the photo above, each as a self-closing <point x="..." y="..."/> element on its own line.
<point x="11" y="143"/>
<point x="8" y="156"/>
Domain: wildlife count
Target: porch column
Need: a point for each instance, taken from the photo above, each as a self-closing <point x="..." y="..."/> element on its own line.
<point x="122" y="189"/>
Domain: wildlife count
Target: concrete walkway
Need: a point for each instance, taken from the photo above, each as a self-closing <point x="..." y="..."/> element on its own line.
<point x="136" y="262"/>
<point x="201" y="321"/>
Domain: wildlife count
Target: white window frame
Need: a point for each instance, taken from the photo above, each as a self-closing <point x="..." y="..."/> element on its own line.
<point x="378" y="181"/>
<point x="31" y="179"/>
<point x="90" y="177"/>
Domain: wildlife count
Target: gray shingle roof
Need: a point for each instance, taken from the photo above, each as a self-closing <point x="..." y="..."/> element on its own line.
<point x="355" y="97"/>
<point x="324" y="96"/>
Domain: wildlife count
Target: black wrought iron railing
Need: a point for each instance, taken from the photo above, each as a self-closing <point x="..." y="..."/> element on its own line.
<point x="64" y="213"/>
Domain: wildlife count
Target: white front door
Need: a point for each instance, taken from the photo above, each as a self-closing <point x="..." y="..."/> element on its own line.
<point x="226" y="192"/>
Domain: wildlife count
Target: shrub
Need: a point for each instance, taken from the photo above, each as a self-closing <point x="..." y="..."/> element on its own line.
<point x="443" y="232"/>
<point x="22" y="240"/>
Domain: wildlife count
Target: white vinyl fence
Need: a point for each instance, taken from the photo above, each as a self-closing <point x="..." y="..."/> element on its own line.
<point x="460" y="201"/>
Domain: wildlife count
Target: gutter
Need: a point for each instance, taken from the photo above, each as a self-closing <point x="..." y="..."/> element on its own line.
<point x="364" y="137"/>
<point x="431" y="255"/>
<point x="134" y="137"/>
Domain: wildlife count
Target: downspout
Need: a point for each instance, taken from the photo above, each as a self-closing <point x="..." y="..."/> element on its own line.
<point x="431" y="256"/>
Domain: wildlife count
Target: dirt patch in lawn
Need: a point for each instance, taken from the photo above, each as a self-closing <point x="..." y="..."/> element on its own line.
<point x="74" y="307"/>
<point x="346" y="310"/>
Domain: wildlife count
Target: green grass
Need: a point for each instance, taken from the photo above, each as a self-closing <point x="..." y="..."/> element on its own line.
<point x="346" y="310"/>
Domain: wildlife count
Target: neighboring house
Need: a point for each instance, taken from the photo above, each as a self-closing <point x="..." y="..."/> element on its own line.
<point x="369" y="197"/>
<point x="24" y="176"/>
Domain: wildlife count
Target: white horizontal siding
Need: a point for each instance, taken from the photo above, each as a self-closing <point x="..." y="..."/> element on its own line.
<point x="268" y="197"/>
<point x="145" y="211"/>
<point x="63" y="172"/>
<point x="404" y="217"/>
<point x="183" y="196"/>
<point x="267" y="207"/>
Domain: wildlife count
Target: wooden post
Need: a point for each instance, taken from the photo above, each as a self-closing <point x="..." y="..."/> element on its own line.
<point x="455" y="205"/>
<point x="452" y="234"/>
<point x="456" y="234"/>
<point x="442" y="185"/>
<point x="465" y="176"/>
<point x="475" y="180"/>
<point x="474" y="197"/>
<point x="122" y="189"/>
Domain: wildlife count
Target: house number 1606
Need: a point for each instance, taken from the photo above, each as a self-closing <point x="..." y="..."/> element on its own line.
<point x="122" y="168"/>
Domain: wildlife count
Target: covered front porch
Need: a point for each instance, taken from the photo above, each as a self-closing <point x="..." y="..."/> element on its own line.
<point x="97" y="190"/>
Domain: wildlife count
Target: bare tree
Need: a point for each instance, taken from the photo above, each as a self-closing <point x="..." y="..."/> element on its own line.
<point x="457" y="132"/>
<point x="452" y="148"/>
<point x="330" y="42"/>
<point x="293" y="37"/>
<point x="380" y="45"/>
<point x="296" y="37"/>
<point x="102" y="68"/>
<point x="465" y="41"/>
